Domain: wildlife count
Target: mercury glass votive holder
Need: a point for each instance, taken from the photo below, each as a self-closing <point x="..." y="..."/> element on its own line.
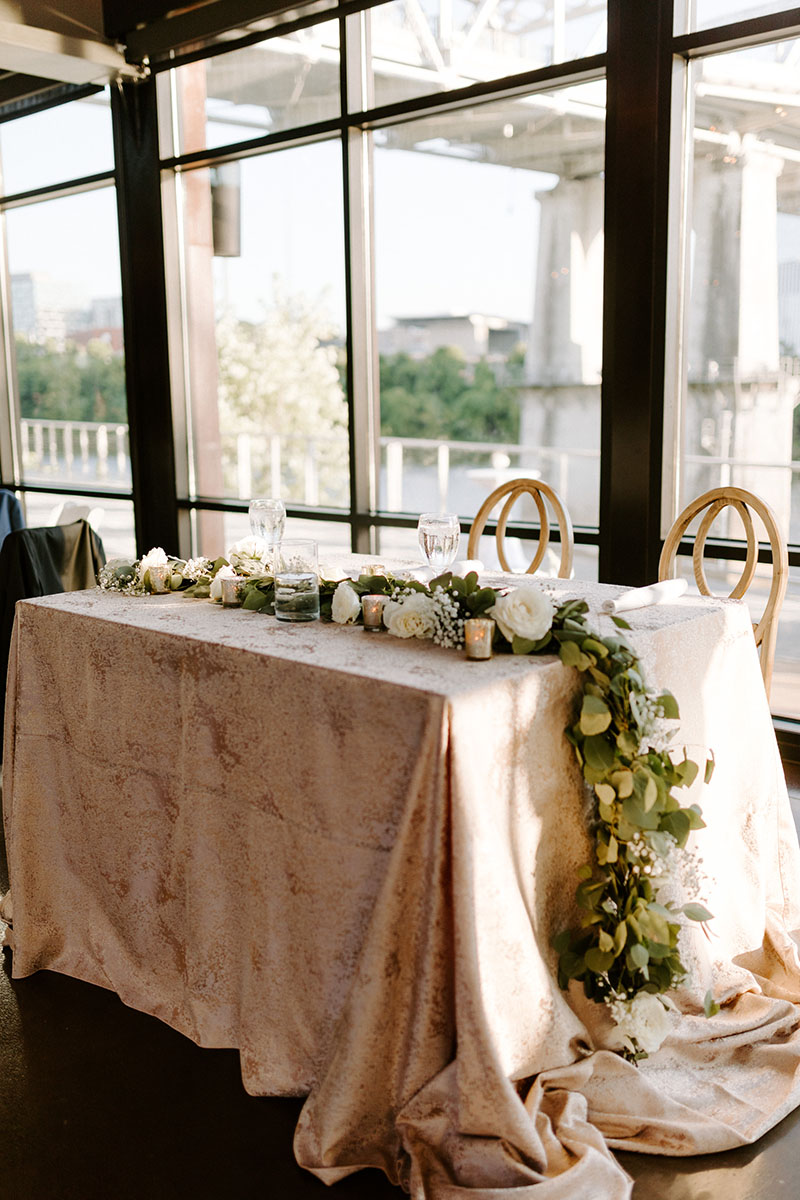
<point x="372" y="610"/>
<point x="161" y="577"/>
<point x="478" y="636"/>
<point x="231" y="592"/>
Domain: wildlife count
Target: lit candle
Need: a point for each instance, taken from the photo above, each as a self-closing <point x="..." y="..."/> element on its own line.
<point x="478" y="634"/>
<point x="372" y="608"/>
<point x="161" y="577"/>
<point x="232" y="592"/>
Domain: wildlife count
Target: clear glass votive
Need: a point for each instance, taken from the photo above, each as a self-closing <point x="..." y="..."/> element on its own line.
<point x="296" y="580"/>
<point x="232" y="592"/>
<point x="372" y="611"/>
<point x="161" y="577"/>
<point x="478" y="636"/>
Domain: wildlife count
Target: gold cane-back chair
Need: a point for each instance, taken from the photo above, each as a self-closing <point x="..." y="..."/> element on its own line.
<point x="545" y="498"/>
<point x="765" y="630"/>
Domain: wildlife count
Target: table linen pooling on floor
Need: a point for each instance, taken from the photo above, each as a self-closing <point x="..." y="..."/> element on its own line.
<point x="346" y="856"/>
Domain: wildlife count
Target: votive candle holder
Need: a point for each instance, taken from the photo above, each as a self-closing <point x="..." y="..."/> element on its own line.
<point x="231" y="592"/>
<point x="161" y="577"/>
<point x="478" y="636"/>
<point x="372" y="611"/>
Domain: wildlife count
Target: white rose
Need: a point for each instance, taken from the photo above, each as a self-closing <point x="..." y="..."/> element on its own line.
<point x="251" y="556"/>
<point x="410" y="617"/>
<point x="154" y="557"/>
<point x="644" y="1019"/>
<point x="526" y="612"/>
<point x="346" y="604"/>
<point x="215" y="592"/>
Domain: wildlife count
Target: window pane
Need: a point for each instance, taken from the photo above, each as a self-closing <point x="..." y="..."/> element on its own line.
<point x="433" y="47"/>
<point x="264" y="312"/>
<point x="400" y="547"/>
<point x="332" y="537"/>
<point x="706" y="14"/>
<point x="489" y="256"/>
<point x="111" y="519"/>
<point x="277" y="84"/>
<point x="65" y="142"/>
<point x="66" y="312"/>
<point x="741" y="381"/>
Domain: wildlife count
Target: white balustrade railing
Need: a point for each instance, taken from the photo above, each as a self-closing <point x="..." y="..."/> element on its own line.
<point x="415" y="473"/>
<point x="63" y="451"/>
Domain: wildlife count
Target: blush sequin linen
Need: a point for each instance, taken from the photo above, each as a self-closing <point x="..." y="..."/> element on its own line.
<point x="346" y="855"/>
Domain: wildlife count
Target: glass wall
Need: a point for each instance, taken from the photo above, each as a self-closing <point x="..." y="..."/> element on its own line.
<point x="68" y="410"/>
<point x="489" y="288"/>
<point x="473" y="292"/>
<point x="265" y="326"/>
<point x="740" y="387"/>
<point x="438" y="45"/>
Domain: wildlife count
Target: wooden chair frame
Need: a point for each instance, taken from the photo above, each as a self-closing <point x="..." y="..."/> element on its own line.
<point x="540" y="492"/>
<point x="765" y="630"/>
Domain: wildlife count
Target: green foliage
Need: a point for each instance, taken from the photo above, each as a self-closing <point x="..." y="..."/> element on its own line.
<point x="626" y="941"/>
<point x="443" y="397"/>
<point x="70" y="383"/>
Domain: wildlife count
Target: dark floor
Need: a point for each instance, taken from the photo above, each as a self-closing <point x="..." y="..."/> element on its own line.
<point x="99" y="1102"/>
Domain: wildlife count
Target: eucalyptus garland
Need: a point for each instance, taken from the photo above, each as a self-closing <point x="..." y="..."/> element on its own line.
<point x="625" y="949"/>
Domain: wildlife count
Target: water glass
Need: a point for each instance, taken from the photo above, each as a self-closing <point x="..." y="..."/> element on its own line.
<point x="267" y="519"/>
<point x="439" y="535"/>
<point x="296" y="580"/>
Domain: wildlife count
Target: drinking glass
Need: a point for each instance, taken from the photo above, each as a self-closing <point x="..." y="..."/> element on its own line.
<point x="296" y="580"/>
<point x="267" y="519"/>
<point x="439" y="535"/>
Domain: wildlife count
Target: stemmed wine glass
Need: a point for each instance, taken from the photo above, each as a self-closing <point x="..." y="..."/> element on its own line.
<point x="439" y="535"/>
<point x="267" y="520"/>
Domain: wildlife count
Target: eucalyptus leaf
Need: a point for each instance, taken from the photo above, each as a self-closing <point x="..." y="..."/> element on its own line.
<point x="595" y="716"/>
<point x="638" y="956"/>
<point x="572" y="656"/>
<point x="627" y="743"/>
<point x="696" y="912"/>
<point x="599" y="960"/>
<point x="669" y="706"/>
<point x="710" y="1006"/>
<point x="598" y="752"/>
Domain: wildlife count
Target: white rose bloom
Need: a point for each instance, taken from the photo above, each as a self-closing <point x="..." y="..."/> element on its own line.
<point x="215" y="592"/>
<point x="251" y="556"/>
<point x="410" y="617"/>
<point x="154" y="557"/>
<point x="644" y="1019"/>
<point x="526" y="612"/>
<point x="346" y="604"/>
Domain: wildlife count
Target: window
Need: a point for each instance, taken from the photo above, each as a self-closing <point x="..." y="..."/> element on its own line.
<point x="70" y="425"/>
<point x="468" y="319"/>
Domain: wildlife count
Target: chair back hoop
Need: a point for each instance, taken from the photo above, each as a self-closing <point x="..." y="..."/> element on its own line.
<point x="511" y="492"/>
<point x="742" y="501"/>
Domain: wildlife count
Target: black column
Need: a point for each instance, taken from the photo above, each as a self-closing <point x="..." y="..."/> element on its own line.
<point x="637" y="171"/>
<point x="144" y="309"/>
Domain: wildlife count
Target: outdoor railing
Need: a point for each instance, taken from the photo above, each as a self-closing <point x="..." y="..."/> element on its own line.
<point x="415" y="473"/>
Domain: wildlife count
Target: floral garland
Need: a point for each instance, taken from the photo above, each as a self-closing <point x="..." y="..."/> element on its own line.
<point x="625" y="951"/>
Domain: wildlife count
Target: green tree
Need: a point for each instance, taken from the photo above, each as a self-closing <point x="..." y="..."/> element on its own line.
<point x="444" y="397"/>
<point x="70" y="383"/>
<point x="280" y="376"/>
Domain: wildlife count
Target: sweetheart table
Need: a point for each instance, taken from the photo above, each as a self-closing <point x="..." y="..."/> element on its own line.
<point x="346" y="855"/>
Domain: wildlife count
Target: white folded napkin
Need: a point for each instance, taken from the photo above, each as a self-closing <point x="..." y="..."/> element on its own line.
<point x="656" y="593"/>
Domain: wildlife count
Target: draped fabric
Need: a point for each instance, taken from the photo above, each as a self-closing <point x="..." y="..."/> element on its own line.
<point x="40" y="562"/>
<point x="346" y="855"/>
<point x="11" y="515"/>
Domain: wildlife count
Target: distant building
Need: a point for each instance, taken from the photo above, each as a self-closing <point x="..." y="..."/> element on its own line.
<point x="51" y="310"/>
<point x="476" y="335"/>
